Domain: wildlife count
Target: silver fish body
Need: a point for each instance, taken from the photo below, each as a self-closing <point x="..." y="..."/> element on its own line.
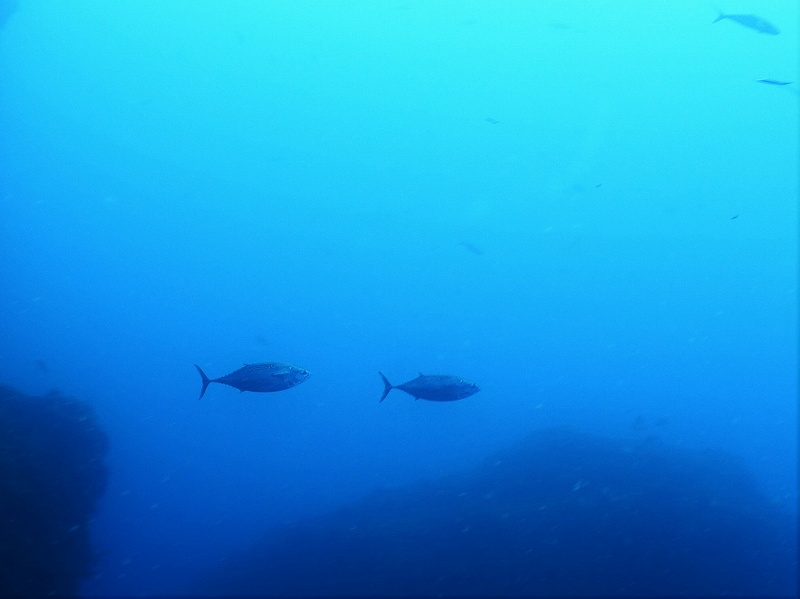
<point x="433" y="387"/>
<point x="260" y="378"/>
<point x="773" y="82"/>
<point x="751" y="22"/>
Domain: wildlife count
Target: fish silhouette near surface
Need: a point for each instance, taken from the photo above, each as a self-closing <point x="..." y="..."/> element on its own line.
<point x="261" y="378"/>
<point x="471" y="247"/>
<point x="433" y="387"/>
<point x="751" y="22"/>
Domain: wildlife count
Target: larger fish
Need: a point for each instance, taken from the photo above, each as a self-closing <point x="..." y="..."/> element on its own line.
<point x="435" y="387"/>
<point x="751" y="22"/>
<point x="262" y="378"/>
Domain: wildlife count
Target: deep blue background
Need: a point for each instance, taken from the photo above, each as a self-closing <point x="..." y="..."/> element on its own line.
<point x="217" y="183"/>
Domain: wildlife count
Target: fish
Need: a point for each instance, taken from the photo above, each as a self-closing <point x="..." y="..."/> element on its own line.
<point x="751" y="22"/>
<point x="434" y="387"/>
<point x="471" y="247"/>
<point x="773" y="82"/>
<point x="261" y="378"/>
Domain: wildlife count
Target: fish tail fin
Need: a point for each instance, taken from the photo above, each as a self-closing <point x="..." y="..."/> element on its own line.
<point x="206" y="381"/>
<point x="720" y="15"/>
<point x="387" y="386"/>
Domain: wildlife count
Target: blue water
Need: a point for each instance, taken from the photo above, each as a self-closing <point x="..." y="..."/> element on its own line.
<point x="589" y="209"/>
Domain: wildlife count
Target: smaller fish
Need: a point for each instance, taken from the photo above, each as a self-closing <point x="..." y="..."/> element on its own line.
<point x="434" y="387"/>
<point x="773" y="82"/>
<point x="751" y="22"/>
<point x="260" y="378"/>
<point x="491" y="121"/>
<point x="470" y="247"/>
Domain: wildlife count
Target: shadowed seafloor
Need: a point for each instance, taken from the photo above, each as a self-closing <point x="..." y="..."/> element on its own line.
<point x="562" y="513"/>
<point x="52" y="472"/>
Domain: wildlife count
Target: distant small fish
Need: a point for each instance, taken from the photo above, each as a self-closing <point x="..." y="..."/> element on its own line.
<point x="641" y="423"/>
<point x="774" y="82"/>
<point x="471" y="248"/>
<point x="41" y="366"/>
<point x="734" y="217"/>
<point x="491" y="120"/>
<point x="751" y="22"/>
<point x="261" y="378"/>
<point x="434" y="387"/>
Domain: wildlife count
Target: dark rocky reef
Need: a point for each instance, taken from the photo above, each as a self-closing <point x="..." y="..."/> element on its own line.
<point x="560" y="514"/>
<point x="52" y="472"/>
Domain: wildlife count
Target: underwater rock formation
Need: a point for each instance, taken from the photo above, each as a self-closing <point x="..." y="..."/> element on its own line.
<point x="560" y="514"/>
<point x="52" y="471"/>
